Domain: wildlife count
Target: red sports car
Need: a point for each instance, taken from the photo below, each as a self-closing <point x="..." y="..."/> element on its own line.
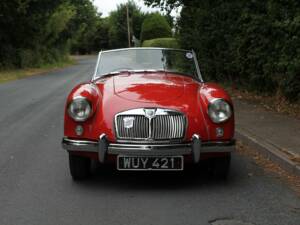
<point x="148" y="109"/>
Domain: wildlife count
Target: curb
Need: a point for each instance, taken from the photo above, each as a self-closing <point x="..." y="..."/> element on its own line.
<point x="268" y="150"/>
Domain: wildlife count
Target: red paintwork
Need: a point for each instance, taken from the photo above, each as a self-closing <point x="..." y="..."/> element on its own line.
<point x="114" y="94"/>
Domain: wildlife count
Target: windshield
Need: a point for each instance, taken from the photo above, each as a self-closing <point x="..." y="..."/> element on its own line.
<point x="169" y="60"/>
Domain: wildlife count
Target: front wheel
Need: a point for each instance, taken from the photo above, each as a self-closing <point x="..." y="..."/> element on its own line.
<point x="80" y="167"/>
<point x="221" y="166"/>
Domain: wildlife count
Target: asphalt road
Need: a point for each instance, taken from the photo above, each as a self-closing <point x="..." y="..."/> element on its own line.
<point x="36" y="188"/>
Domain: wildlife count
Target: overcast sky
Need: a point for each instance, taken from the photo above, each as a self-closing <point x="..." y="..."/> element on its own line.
<point x="105" y="6"/>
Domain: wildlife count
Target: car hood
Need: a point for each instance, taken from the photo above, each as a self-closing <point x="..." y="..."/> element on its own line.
<point x="111" y="95"/>
<point x="125" y="91"/>
<point x="149" y="87"/>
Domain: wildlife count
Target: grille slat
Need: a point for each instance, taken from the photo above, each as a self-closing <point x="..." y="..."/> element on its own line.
<point x="139" y="129"/>
<point x="162" y="127"/>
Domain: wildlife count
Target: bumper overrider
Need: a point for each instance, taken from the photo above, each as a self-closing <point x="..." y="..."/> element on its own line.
<point x="103" y="147"/>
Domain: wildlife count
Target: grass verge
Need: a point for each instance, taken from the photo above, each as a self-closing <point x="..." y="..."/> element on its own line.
<point x="15" y="74"/>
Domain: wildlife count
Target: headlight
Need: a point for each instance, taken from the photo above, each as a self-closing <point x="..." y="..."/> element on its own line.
<point x="80" y="109"/>
<point x="219" y="111"/>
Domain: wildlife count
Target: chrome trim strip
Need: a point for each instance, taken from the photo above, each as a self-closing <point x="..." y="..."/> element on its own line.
<point x="146" y="149"/>
<point x="197" y="66"/>
<point x="78" y="142"/>
<point x="159" y="111"/>
<point x="79" y="145"/>
<point x="149" y="152"/>
<point x="143" y="48"/>
<point x="97" y="64"/>
<point x="149" y="142"/>
<point x="150" y="146"/>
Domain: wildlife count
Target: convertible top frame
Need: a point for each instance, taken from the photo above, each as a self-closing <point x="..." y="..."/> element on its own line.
<point x="150" y="48"/>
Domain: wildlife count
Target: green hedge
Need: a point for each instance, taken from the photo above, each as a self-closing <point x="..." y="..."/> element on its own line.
<point x="155" y="26"/>
<point x="162" y="42"/>
<point x="253" y="44"/>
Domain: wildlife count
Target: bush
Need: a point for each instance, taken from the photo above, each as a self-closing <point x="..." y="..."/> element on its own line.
<point x="290" y="87"/>
<point x="253" y="44"/>
<point x="162" y="42"/>
<point x="155" y="26"/>
<point x="27" y="58"/>
<point x="35" y="33"/>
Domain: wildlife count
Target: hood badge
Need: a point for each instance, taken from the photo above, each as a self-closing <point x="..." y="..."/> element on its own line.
<point x="128" y="122"/>
<point x="150" y="113"/>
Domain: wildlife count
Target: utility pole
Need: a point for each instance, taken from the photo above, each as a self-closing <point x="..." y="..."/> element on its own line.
<point x="128" y="25"/>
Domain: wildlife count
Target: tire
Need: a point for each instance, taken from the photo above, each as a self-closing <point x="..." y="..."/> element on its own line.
<point x="220" y="167"/>
<point x="80" y="167"/>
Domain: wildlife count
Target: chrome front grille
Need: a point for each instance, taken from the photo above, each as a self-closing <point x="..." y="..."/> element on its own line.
<point x="140" y="128"/>
<point x="150" y="125"/>
<point x="168" y="127"/>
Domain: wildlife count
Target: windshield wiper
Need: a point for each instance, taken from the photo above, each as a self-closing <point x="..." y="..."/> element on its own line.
<point x="146" y="71"/>
<point x="118" y="71"/>
<point x="111" y="74"/>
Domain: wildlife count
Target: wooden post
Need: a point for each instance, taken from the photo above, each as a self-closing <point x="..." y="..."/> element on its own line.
<point x="128" y="25"/>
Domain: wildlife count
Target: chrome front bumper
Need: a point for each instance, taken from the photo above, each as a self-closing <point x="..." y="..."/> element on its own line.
<point x="103" y="147"/>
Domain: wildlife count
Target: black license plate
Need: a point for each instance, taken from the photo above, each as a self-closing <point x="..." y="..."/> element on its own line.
<point x="168" y="163"/>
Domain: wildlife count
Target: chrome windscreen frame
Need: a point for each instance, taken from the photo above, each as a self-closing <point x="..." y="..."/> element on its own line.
<point x="97" y="64"/>
<point x="141" y="111"/>
<point x="199" y="75"/>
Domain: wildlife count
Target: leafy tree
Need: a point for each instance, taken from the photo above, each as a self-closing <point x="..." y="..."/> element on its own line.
<point x="155" y="26"/>
<point x="101" y="38"/>
<point x="34" y="32"/>
<point x="23" y="30"/>
<point x="118" y="35"/>
<point x="166" y="5"/>
<point x="83" y="26"/>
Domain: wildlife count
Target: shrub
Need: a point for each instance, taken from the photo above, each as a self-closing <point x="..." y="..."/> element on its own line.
<point x="290" y="86"/>
<point x="162" y="42"/>
<point x="155" y="26"/>
<point x="254" y="44"/>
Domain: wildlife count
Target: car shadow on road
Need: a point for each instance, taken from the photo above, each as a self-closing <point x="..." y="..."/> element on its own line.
<point x="193" y="177"/>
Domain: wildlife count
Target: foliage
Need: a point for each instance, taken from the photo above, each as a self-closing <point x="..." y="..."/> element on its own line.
<point x="34" y="33"/>
<point x="117" y="33"/>
<point x="166" y="5"/>
<point x="23" y="26"/>
<point x="252" y="44"/>
<point x="162" y="42"/>
<point x="101" y="38"/>
<point x="83" y="27"/>
<point x="155" y="26"/>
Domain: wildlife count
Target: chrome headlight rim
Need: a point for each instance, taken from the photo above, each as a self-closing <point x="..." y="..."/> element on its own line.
<point x="87" y="110"/>
<point x="227" y="113"/>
